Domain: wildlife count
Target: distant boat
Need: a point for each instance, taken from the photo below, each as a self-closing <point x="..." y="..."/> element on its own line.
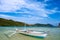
<point x="32" y="33"/>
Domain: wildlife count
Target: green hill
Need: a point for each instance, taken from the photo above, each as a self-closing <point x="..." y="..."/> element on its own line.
<point x="43" y="25"/>
<point x="5" y="22"/>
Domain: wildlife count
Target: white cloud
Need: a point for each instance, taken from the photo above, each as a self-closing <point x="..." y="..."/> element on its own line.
<point x="46" y="0"/>
<point x="25" y="19"/>
<point x="12" y="6"/>
<point x="6" y="16"/>
<point x="26" y="6"/>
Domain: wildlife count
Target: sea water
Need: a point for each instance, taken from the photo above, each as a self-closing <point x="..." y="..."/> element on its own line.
<point x="53" y="33"/>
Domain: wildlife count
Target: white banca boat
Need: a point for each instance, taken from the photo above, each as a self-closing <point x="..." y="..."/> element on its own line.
<point x="33" y="33"/>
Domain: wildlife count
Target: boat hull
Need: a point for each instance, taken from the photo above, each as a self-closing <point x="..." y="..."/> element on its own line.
<point x="33" y="36"/>
<point x="42" y="36"/>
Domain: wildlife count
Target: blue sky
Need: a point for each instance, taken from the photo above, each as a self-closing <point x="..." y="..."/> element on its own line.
<point x="31" y="11"/>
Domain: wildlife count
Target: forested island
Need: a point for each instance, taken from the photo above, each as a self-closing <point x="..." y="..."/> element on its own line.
<point x="6" y="22"/>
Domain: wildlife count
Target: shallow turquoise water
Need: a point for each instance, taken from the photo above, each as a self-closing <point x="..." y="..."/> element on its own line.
<point x="53" y="34"/>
